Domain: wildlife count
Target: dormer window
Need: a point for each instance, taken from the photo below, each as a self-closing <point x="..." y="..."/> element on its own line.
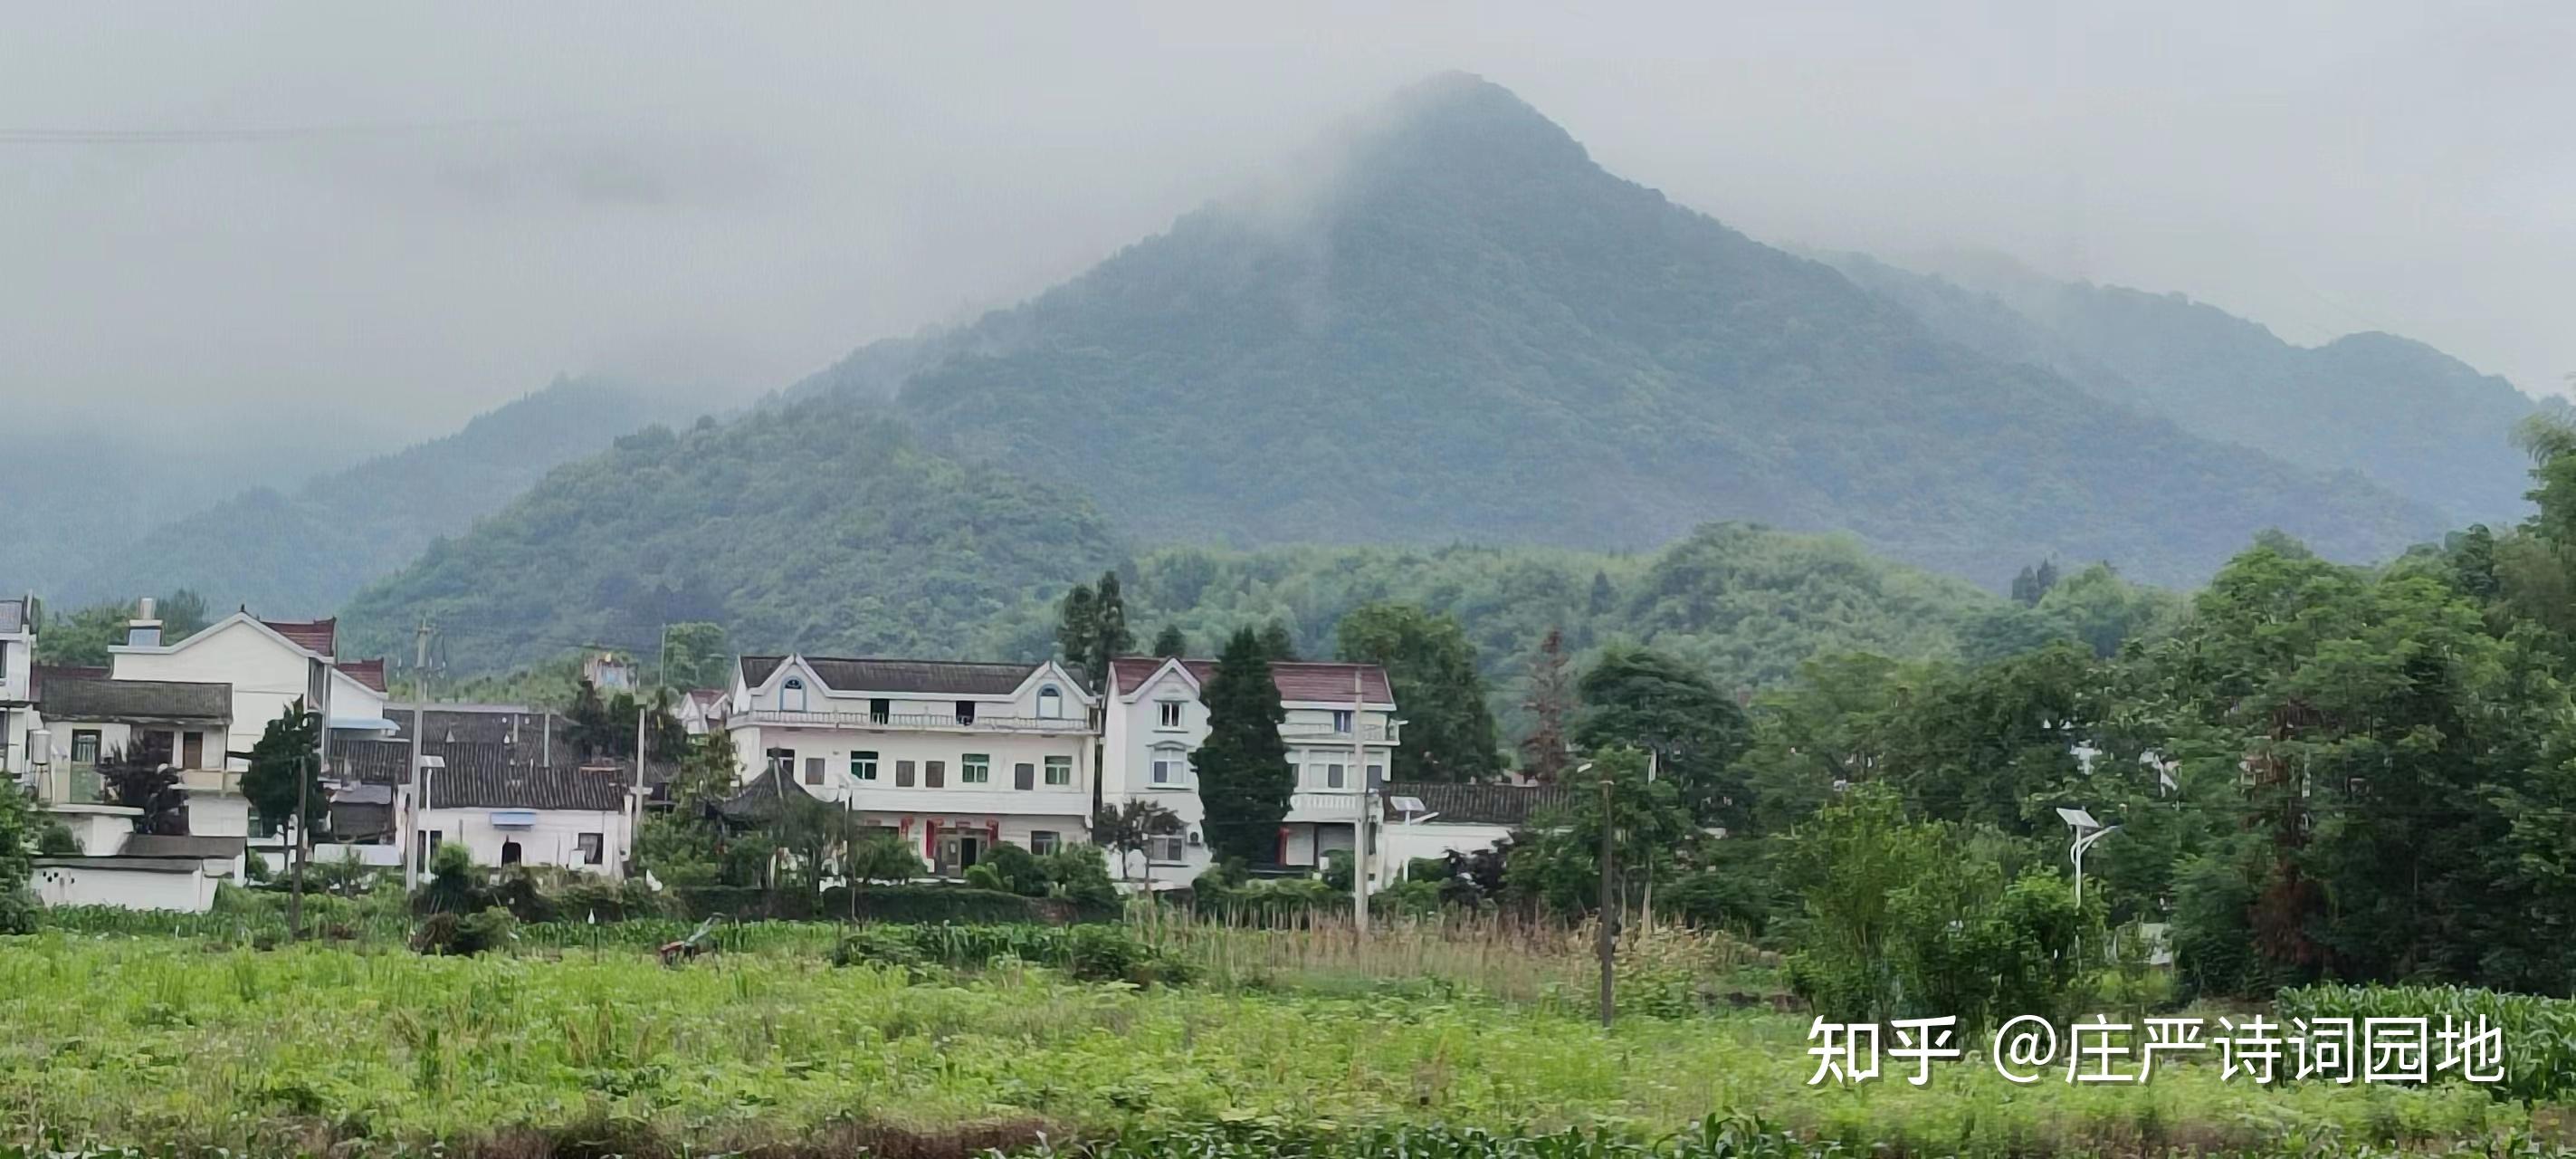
<point x="1050" y="702"/>
<point x="1341" y="720"/>
<point x="791" y="695"/>
<point x="1171" y="710"/>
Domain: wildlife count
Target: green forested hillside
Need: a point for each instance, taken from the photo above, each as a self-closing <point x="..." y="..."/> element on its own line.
<point x="807" y="526"/>
<point x="1747" y="604"/>
<point x="1466" y="329"/>
<point x="302" y="553"/>
<point x="2404" y="415"/>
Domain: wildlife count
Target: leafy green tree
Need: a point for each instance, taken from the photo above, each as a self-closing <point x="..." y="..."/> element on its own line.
<point x="20" y="832"/>
<point x="183" y="614"/>
<point x="83" y="637"/>
<point x="1091" y="628"/>
<point x="1126" y="828"/>
<point x="286" y="754"/>
<point x="1645" y="699"/>
<point x="1171" y="643"/>
<point x="695" y="655"/>
<point x="1431" y="668"/>
<point x="1277" y="642"/>
<point x="139" y="778"/>
<point x="595" y="732"/>
<point x="1654" y="838"/>
<point x="878" y="854"/>
<point x="1242" y="767"/>
<point x="709" y="769"/>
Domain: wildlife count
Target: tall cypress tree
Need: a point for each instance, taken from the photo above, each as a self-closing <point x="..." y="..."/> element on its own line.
<point x="1243" y="767"/>
<point x="1110" y="638"/>
<point x="1077" y="624"/>
<point x="1170" y="642"/>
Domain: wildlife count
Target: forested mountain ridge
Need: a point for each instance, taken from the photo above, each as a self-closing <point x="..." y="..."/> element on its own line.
<point x="2405" y="415"/>
<point x="303" y="552"/>
<point x="810" y="525"/>
<point x="1469" y="330"/>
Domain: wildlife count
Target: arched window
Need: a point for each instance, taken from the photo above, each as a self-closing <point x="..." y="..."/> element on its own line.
<point x="1050" y="702"/>
<point x="791" y="695"/>
<point x="509" y="853"/>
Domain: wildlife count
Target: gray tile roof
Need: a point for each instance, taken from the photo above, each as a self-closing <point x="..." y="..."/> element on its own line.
<point x="931" y="677"/>
<point x="138" y="701"/>
<point x="523" y="725"/>
<point x="158" y="845"/>
<point x="1512" y="805"/>
<point x="485" y="776"/>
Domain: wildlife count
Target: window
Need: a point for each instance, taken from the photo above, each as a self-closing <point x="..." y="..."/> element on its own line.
<point x="934" y="774"/>
<point x="903" y="774"/>
<point x="863" y="766"/>
<point x="965" y="712"/>
<point x="1341" y="720"/>
<point x="1333" y="776"/>
<point x="783" y="762"/>
<point x="84" y="746"/>
<point x="791" y="695"/>
<point x="1164" y="848"/>
<point x="974" y="768"/>
<point x="1171" y="713"/>
<point x="593" y="850"/>
<point x="1050" y="702"/>
<point x="1377" y="776"/>
<point x="510" y="853"/>
<point x="879" y="709"/>
<point x="425" y="847"/>
<point x="1059" y="770"/>
<point x="813" y="770"/>
<point x="193" y="751"/>
<point x="1024" y="776"/>
<point x="1045" y="841"/>
<point x="1168" y="766"/>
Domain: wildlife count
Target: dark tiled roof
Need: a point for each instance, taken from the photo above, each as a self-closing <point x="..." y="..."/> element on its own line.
<point x="503" y="724"/>
<point x="1309" y="680"/>
<point x="760" y="798"/>
<point x="38" y="675"/>
<point x="137" y="701"/>
<point x="310" y="635"/>
<point x="1477" y="804"/>
<point x="933" y="677"/>
<point x="367" y="672"/>
<point x="487" y="776"/>
<point x="157" y="845"/>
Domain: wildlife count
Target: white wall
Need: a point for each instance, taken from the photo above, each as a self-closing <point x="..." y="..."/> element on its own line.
<point x="997" y="796"/>
<point x="17" y="657"/>
<point x="125" y="888"/>
<point x="554" y="838"/>
<point x="218" y="815"/>
<point x="1399" y="842"/>
<point x="266" y="675"/>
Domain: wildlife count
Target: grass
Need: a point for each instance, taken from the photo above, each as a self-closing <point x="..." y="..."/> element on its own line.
<point x="158" y="1041"/>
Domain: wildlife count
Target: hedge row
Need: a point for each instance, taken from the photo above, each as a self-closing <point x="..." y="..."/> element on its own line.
<point x="911" y="904"/>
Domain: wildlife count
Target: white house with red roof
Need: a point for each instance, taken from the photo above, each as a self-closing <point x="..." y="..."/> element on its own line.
<point x="955" y="756"/>
<point x="269" y="664"/>
<point x="1341" y="734"/>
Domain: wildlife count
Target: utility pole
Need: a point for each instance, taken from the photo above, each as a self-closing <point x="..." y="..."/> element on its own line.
<point x="411" y="808"/>
<point x="295" y="898"/>
<point x="1608" y="946"/>
<point x="1359" y="824"/>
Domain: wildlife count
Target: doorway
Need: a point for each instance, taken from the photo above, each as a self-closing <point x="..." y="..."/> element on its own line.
<point x="958" y="852"/>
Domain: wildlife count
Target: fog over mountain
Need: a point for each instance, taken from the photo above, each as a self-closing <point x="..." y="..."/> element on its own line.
<point x="384" y="221"/>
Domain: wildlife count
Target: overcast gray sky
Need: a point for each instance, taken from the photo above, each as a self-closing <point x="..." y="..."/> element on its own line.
<point x="390" y="218"/>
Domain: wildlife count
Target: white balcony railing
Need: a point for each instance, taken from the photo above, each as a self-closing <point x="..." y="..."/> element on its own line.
<point x="914" y="721"/>
<point x="1325" y="806"/>
<point x="1372" y="732"/>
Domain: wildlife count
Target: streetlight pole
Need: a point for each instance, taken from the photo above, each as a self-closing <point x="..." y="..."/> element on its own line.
<point x="2087" y="831"/>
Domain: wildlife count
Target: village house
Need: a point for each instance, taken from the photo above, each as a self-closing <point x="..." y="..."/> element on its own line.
<point x="702" y="710"/>
<point x="954" y="756"/>
<point x="17" y="678"/>
<point x="270" y="664"/>
<point x="1341" y="734"/>
<point x="504" y="808"/>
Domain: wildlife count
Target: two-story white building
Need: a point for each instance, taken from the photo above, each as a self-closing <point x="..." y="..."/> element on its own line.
<point x="955" y="756"/>
<point x="1341" y="734"/>
<point x="270" y="664"/>
<point x="17" y="678"/>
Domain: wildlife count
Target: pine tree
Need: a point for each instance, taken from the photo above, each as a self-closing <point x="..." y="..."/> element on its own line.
<point x="1603" y="598"/>
<point x="1243" y="773"/>
<point x="1077" y="624"/>
<point x="1110" y="637"/>
<point x="1551" y="700"/>
<point x="1170" y="642"/>
<point x="287" y="750"/>
<point x="1276" y="641"/>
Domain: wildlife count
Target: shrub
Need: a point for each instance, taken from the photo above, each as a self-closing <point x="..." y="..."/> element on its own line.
<point x="1093" y="953"/>
<point x="1080" y="876"/>
<point x="464" y="934"/>
<point x="55" y="840"/>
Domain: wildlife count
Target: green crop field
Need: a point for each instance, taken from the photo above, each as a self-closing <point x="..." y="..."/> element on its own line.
<point x="156" y="1041"/>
